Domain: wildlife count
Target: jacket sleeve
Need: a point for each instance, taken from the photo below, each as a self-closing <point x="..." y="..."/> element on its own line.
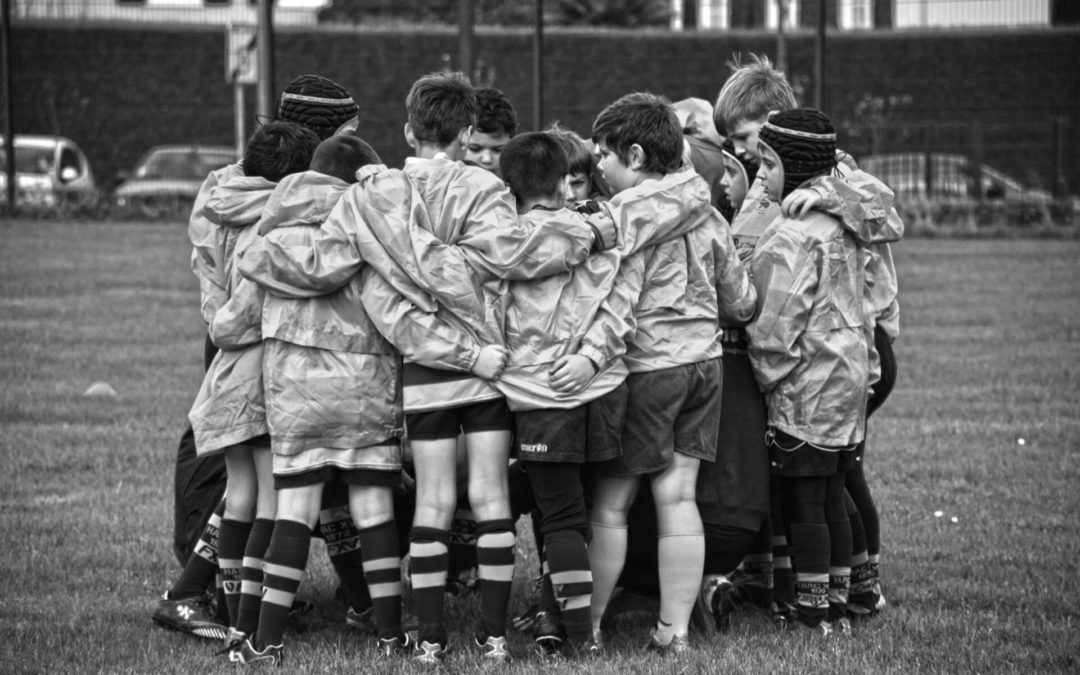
<point x="238" y="323"/>
<point x="735" y="293"/>
<point x="288" y="267"/>
<point x="207" y="253"/>
<point x="421" y="337"/>
<point x="786" y="278"/>
<point x="883" y="290"/>
<point x="862" y="203"/>
<point x="615" y="321"/>
<point x="506" y="247"/>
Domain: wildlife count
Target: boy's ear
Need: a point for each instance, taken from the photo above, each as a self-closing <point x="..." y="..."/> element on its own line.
<point x="635" y="157"/>
<point x="410" y="137"/>
<point x="463" y="136"/>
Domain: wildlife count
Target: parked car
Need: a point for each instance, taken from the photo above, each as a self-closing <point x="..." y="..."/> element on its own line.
<point x="951" y="176"/>
<point x="167" y="178"/>
<point x="49" y="171"/>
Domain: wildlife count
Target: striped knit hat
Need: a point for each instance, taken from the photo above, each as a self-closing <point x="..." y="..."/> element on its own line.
<point x="317" y="103"/>
<point x="805" y="141"/>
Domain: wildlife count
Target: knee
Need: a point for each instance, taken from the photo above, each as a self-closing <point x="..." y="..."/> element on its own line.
<point x="239" y="503"/>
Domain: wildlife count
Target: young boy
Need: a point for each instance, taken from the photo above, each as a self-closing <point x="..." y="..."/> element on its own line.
<point x="315" y="103"/>
<point x="686" y="287"/>
<point x="810" y="356"/>
<point x="228" y="414"/>
<point x="334" y="413"/>
<point x="585" y="182"/>
<point x="496" y="124"/>
<point x="391" y="230"/>
<point x="861" y="203"/>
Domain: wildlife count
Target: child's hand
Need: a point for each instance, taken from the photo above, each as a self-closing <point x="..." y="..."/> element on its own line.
<point x="571" y="373"/>
<point x="490" y="363"/>
<point x="799" y="202"/>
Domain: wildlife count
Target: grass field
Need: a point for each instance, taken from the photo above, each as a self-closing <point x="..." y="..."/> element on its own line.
<point x="983" y="426"/>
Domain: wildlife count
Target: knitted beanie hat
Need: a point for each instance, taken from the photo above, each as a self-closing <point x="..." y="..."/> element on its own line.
<point x="317" y="103"/>
<point x="805" y="141"/>
<point x="744" y="161"/>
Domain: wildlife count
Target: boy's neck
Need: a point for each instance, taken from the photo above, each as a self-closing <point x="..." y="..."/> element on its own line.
<point x="646" y="177"/>
<point x="430" y="150"/>
<point x="551" y="203"/>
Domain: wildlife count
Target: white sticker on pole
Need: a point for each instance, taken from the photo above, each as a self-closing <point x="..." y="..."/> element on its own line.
<point x="242" y="64"/>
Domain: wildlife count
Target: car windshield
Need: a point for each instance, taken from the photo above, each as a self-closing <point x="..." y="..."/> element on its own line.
<point x="33" y="159"/>
<point x="181" y="164"/>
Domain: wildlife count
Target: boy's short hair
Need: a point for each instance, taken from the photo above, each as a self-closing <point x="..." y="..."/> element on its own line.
<point x="533" y="165"/>
<point x="278" y="149"/>
<point x="647" y="120"/>
<point x="495" y="113"/>
<point x="440" y="105"/>
<point x="340" y="156"/>
<point x="752" y="92"/>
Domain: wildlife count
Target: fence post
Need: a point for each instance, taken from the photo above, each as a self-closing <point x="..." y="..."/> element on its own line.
<point x="9" y="107"/>
<point x="928" y="164"/>
<point x="1060" y="187"/>
<point x="976" y="160"/>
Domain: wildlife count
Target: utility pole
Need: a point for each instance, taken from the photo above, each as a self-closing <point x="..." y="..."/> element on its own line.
<point x="265" y="88"/>
<point x="781" y="39"/>
<point x="819" y="58"/>
<point x="465" y="37"/>
<point x="538" y="67"/>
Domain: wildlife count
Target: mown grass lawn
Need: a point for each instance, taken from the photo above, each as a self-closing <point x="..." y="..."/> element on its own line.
<point x="983" y="427"/>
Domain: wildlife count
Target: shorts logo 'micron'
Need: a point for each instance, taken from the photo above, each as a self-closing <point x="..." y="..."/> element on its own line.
<point x="534" y="447"/>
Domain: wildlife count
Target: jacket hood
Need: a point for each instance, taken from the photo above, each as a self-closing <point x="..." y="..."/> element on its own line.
<point x="870" y="222"/>
<point x="659" y="210"/>
<point x="302" y="198"/>
<point x="239" y="200"/>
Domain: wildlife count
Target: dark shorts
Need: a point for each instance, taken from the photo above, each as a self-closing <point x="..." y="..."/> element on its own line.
<point x="451" y="422"/>
<point x="327" y="474"/>
<point x="674" y="410"/>
<point x="794" y="458"/>
<point x="588" y="433"/>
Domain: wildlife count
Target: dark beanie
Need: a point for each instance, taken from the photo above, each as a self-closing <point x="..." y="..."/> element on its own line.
<point x="317" y="103"/>
<point x="805" y="141"/>
<point x="743" y="159"/>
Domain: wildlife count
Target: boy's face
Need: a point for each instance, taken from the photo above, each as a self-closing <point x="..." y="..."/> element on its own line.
<point x="485" y="149"/>
<point x="771" y="172"/>
<point x="734" y="180"/>
<point x="617" y="174"/>
<point x="745" y="135"/>
<point x="577" y="187"/>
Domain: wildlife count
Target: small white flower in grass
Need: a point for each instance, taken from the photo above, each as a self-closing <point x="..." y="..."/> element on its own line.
<point x="954" y="519"/>
<point x="938" y="514"/>
<point x="1020" y="441"/>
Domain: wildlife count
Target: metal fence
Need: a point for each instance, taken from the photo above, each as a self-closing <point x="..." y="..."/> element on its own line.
<point x="1006" y="127"/>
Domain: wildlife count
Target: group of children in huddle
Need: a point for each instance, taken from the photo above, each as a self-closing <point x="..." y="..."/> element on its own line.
<point x="578" y="317"/>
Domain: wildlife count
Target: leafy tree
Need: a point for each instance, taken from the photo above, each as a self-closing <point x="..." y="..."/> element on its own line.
<point x="614" y="13"/>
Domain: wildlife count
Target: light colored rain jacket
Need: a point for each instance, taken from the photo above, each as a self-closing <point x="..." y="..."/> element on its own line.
<point x="208" y="244"/>
<point x="686" y="287"/>
<point x="229" y="407"/>
<point x="585" y="311"/>
<point x="863" y="203"/>
<point x="331" y="379"/>
<point x="808" y="343"/>
<point x="382" y="229"/>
